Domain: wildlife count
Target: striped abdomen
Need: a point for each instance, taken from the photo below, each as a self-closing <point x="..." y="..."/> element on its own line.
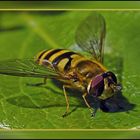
<point x="61" y="59"/>
<point x="64" y="60"/>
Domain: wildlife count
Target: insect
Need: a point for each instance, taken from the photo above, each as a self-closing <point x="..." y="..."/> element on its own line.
<point x="75" y="71"/>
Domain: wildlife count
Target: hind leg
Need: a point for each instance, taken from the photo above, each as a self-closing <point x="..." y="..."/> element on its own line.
<point x="67" y="101"/>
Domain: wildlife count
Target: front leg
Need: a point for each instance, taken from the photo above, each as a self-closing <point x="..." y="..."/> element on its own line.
<point x="93" y="111"/>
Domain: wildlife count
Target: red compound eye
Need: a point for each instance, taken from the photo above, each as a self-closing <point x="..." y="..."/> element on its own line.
<point x="97" y="86"/>
<point x="97" y="80"/>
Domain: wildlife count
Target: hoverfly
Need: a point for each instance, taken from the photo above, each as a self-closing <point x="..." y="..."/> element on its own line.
<point x="74" y="70"/>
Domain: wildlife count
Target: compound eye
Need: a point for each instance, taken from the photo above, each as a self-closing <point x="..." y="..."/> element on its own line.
<point x="97" y="86"/>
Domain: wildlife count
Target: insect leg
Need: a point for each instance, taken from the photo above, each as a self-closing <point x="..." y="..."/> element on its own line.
<point x="84" y="97"/>
<point x="38" y="84"/>
<point x="90" y="108"/>
<point x="67" y="101"/>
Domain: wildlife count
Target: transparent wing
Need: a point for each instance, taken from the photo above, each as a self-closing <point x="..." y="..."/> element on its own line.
<point x="28" y="68"/>
<point x="90" y="35"/>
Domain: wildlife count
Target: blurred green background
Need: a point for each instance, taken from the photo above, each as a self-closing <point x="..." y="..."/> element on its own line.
<point x="24" y="34"/>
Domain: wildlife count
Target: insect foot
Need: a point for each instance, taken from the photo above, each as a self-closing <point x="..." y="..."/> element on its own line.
<point x="65" y="114"/>
<point x="93" y="112"/>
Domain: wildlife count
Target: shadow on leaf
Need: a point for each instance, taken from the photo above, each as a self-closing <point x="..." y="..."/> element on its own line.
<point x="117" y="103"/>
<point x="43" y="100"/>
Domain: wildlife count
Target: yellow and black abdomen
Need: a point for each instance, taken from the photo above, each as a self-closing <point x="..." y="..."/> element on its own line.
<point x="61" y="59"/>
<point x="64" y="60"/>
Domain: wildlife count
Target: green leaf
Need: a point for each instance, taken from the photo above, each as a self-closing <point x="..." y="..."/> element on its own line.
<point x="24" y="34"/>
